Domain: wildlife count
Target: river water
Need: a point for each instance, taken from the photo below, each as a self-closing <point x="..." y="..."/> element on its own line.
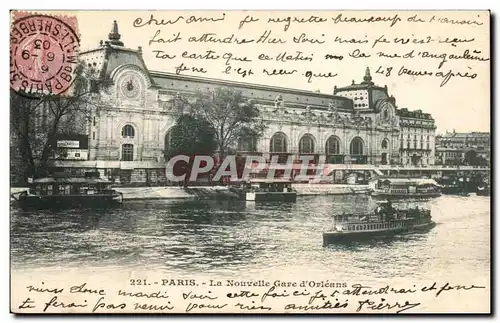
<point x="231" y="238"/>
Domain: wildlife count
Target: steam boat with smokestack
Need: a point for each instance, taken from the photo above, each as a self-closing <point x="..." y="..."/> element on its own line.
<point x="384" y="221"/>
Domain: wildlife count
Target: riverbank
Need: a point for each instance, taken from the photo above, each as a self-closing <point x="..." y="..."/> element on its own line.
<point x="330" y="189"/>
<point x="207" y="192"/>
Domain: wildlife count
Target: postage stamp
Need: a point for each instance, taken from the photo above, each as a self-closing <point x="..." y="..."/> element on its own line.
<point x="43" y="53"/>
<point x="250" y="162"/>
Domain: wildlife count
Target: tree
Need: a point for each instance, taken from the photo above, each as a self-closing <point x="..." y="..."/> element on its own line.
<point x="231" y="115"/>
<point x="190" y="136"/>
<point x="36" y="122"/>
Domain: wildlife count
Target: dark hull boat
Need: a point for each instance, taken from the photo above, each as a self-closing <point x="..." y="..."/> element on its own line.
<point x="405" y="195"/>
<point x="347" y="237"/>
<point x="260" y="190"/>
<point x="70" y="201"/>
<point x="271" y="196"/>
<point x="451" y="189"/>
<point x="69" y="192"/>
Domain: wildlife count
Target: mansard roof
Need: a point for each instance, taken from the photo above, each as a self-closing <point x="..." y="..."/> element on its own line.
<point x="111" y="54"/>
<point x="258" y="92"/>
<point x="416" y="114"/>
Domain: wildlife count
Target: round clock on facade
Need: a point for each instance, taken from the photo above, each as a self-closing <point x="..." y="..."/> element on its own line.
<point x="130" y="85"/>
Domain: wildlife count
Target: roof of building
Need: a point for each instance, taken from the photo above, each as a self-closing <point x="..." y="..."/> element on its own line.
<point x="417" y="114"/>
<point x="465" y="135"/>
<point x="367" y="83"/>
<point x="161" y="78"/>
<point x="112" y="54"/>
<point x="104" y="61"/>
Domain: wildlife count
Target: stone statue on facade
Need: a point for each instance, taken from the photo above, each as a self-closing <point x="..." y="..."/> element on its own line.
<point x="332" y="107"/>
<point x="278" y="102"/>
<point x="395" y="122"/>
<point x="308" y="114"/>
<point x="176" y="104"/>
<point x="321" y="118"/>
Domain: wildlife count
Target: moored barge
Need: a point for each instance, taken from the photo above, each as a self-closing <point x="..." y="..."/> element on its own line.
<point x="270" y="190"/>
<point x="67" y="192"/>
<point x="397" y="188"/>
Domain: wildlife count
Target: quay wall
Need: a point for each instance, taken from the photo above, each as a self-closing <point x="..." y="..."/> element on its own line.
<point x="147" y="193"/>
<point x="140" y="193"/>
<point x="169" y="192"/>
<point x="330" y="189"/>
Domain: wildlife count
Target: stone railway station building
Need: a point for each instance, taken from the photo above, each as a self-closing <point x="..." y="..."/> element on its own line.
<point x="357" y="124"/>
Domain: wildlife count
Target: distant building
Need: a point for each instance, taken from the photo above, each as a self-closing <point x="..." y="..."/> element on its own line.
<point x="417" y="138"/>
<point x="463" y="148"/>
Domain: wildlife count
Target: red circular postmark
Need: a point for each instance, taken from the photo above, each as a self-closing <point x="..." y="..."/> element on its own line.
<point x="43" y="55"/>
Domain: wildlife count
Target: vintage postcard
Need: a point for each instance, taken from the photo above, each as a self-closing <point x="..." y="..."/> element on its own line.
<point x="321" y="162"/>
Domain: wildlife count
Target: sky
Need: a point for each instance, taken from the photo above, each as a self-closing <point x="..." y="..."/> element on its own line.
<point x="462" y="103"/>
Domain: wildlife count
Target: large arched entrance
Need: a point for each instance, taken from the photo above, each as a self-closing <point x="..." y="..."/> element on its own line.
<point x="357" y="151"/>
<point x="332" y="151"/>
<point x="306" y="144"/>
<point x="279" y="147"/>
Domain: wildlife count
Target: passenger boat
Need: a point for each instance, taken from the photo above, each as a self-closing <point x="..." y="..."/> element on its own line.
<point x="405" y="188"/>
<point x="270" y="190"/>
<point x="386" y="221"/>
<point x="55" y="192"/>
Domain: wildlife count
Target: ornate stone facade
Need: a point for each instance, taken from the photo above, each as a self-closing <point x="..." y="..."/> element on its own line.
<point x="357" y="124"/>
<point x="418" y="138"/>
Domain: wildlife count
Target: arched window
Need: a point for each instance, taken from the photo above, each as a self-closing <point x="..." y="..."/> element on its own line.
<point x="385" y="143"/>
<point x="127" y="152"/>
<point x="278" y="143"/>
<point x="356" y="147"/>
<point x="306" y="144"/>
<point x="128" y="131"/>
<point x="332" y="146"/>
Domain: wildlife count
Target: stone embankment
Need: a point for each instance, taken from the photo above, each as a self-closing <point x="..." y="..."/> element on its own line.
<point x="223" y="192"/>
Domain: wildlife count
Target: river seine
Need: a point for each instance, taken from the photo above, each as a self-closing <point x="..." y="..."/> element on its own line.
<point x="234" y="238"/>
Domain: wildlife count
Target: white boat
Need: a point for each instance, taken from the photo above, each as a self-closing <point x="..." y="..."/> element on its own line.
<point x="270" y="190"/>
<point x="405" y="188"/>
